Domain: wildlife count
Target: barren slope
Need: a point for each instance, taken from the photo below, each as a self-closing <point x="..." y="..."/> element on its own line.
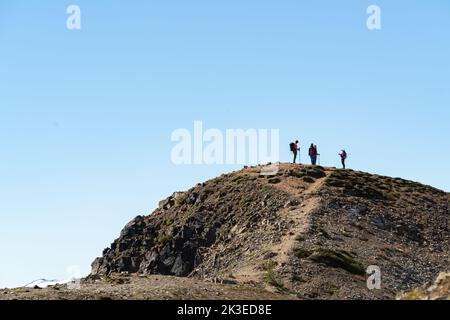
<point x="309" y="231"/>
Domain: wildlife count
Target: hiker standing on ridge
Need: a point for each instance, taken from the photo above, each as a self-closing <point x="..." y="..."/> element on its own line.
<point x="313" y="154"/>
<point x="343" y="155"/>
<point x="317" y="154"/>
<point x="294" y="149"/>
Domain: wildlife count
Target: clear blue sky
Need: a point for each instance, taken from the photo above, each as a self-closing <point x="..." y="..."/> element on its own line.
<point x="86" y="116"/>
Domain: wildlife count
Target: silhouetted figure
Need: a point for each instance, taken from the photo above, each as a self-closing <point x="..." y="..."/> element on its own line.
<point x="295" y="149"/>
<point x="343" y="155"/>
<point x="313" y="154"/>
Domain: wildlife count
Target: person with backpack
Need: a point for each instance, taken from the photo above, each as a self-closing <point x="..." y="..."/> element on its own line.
<point x="343" y="155"/>
<point x="294" y="149"/>
<point x="313" y="154"/>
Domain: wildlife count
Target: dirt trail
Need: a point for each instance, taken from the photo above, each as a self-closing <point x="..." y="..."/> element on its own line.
<point x="300" y="218"/>
<point x="299" y="215"/>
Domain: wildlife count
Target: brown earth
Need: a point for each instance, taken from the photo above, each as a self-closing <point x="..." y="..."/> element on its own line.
<point x="140" y="287"/>
<point x="306" y="232"/>
<point x="309" y="231"/>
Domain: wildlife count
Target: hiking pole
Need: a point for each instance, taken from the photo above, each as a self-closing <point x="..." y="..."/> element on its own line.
<point x="318" y="156"/>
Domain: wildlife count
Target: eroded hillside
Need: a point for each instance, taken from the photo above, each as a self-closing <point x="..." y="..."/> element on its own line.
<point x="307" y="231"/>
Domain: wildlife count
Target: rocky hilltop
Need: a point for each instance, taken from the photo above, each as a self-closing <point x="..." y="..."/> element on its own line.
<point x="307" y="231"/>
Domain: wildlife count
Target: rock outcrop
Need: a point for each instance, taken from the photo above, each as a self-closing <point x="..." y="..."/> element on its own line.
<point x="309" y="231"/>
<point x="439" y="290"/>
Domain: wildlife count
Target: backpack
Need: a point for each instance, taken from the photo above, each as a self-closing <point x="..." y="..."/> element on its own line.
<point x="292" y="146"/>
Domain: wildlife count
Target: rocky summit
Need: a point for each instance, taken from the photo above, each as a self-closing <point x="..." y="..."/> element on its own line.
<point x="307" y="231"/>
